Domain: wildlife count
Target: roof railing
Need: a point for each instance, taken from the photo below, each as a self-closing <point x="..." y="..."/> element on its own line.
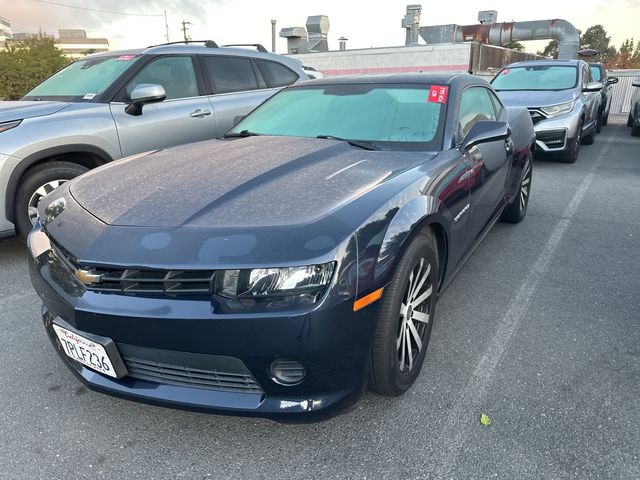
<point x="258" y="46"/>
<point x="207" y="43"/>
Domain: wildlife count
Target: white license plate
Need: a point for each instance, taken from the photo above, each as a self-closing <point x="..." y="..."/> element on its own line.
<point x="85" y="351"/>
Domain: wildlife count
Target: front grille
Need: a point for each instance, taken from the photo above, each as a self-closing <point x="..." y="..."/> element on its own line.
<point x="141" y="281"/>
<point x="210" y="372"/>
<point x="553" y="138"/>
<point x="536" y="116"/>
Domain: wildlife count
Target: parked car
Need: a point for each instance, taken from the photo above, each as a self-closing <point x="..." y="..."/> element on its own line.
<point x="272" y="272"/>
<point x="634" y="111"/>
<point x="562" y="98"/>
<point x="111" y="105"/>
<point x="600" y="74"/>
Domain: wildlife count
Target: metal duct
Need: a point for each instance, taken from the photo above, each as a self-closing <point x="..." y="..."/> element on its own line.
<point x="318" y="28"/>
<point x="502" y="34"/>
<point x="411" y="23"/>
<point x="296" y="39"/>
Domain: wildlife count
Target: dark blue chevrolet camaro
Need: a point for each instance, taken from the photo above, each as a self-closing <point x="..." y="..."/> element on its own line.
<point x="278" y="271"/>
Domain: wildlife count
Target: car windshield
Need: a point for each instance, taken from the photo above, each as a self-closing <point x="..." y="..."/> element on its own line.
<point x="83" y="79"/>
<point x="536" y="77"/>
<point x="387" y="116"/>
<point x="595" y="71"/>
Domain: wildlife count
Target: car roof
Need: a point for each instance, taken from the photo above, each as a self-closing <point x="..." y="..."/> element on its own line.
<point x="570" y="62"/>
<point x="201" y="49"/>
<point x="401" y="78"/>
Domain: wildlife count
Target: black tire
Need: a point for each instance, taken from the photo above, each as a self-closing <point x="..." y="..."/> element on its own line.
<point x="605" y="120"/>
<point x="570" y="155"/>
<point x="517" y="209"/>
<point x="635" y="131"/>
<point x="36" y="178"/>
<point x="629" y="121"/>
<point x="391" y="372"/>
<point x="590" y="138"/>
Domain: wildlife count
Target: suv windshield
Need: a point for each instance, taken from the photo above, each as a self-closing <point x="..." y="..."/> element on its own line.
<point x="82" y="80"/>
<point x="537" y="77"/>
<point x="595" y="72"/>
<point x="394" y="117"/>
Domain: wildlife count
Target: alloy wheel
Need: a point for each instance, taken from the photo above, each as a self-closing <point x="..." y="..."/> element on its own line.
<point x="38" y="195"/>
<point x="525" y="185"/>
<point x="414" y="316"/>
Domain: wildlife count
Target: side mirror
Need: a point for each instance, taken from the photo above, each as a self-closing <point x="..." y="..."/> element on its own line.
<point x="636" y="83"/>
<point x="237" y="119"/>
<point x="593" y="87"/>
<point x="143" y="94"/>
<point x="612" y="80"/>
<point x="485" y="131"/>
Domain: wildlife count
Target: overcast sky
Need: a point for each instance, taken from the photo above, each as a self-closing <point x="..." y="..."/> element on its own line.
<point x="365" y="23"/>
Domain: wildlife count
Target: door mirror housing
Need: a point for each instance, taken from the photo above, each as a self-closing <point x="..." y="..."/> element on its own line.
<point x="143" y="94"/>
<point x="636" y="83"/>
<point x="485" y="131"/>
<point x="612" y="80"/>
<point x="593" y="87"/>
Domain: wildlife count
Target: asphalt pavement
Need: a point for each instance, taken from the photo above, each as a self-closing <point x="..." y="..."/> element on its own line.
<point x="540" y="331"/>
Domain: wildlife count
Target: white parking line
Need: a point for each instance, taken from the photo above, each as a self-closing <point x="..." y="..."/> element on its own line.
<point x="465" y="413"/>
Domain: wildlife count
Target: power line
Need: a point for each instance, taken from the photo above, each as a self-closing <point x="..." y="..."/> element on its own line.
<point x="97" y="10"/>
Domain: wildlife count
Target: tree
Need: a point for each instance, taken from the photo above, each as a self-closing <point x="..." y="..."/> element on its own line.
<point x="25" y="64"/>
<point x="627" y="57"/>
<point x="515" y="46"/>
<point x="551" y="50"/>
<point x="595" y="37"/>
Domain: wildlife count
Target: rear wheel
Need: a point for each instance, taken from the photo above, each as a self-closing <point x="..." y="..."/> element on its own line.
<point x="35" y="185"/>
<point x="590" y="138"/>
<point x="515" y="212"/>
<point x="635" y="131"/>
<point x="406" y="319"/>
<point x="605" y="120"/>
<point x="599" y="122"/>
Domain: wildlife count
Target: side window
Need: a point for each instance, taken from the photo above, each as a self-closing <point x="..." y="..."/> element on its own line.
<point x="497" y="106"/>
<point x="230" y="74"/>
<point x="275" y="74"/>
<point x="475" y="105"/>
<point x="176" y="74"/>
<point x="586" y="75"/>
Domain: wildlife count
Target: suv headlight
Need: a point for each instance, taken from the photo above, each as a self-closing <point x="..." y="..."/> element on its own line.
<point x="270" y="289"/>
<point x="559" y="109"/>
<point x="9" y="125"/>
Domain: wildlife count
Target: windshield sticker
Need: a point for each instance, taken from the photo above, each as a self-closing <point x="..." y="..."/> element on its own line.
<point x="126" y="58"/>
<point x="438" y="94"/>
<point x="89" y="96"/>
<point x="505" y="71"/>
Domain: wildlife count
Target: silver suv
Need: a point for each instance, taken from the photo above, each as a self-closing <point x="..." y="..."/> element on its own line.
<point x="116" y="104"/>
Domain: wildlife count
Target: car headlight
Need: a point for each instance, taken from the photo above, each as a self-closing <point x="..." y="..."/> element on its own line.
<point x="9" y="125"/>
<point x="268" y="289"/>
<point x="559" y="109"/>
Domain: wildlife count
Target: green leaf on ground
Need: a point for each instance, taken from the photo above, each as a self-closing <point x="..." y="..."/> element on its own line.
<point x="485" y="420"/>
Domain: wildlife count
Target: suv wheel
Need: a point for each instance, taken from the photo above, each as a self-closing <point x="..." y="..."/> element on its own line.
<point x="570" y="155"/>
<point x="37" y="183"/>
<point x="600" y="122"/>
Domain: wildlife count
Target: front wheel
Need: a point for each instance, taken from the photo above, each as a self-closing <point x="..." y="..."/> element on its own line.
<point x="515" y="212"/>
<point x="36" y="184"/>
<point x="406" y="319"/>
<point x="570" y="155"/>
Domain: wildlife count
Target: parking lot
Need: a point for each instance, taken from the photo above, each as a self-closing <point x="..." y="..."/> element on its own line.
<point x="540" y="331"/>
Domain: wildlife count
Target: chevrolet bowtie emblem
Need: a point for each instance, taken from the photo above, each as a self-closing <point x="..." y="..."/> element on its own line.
<point x="87" y="277"/>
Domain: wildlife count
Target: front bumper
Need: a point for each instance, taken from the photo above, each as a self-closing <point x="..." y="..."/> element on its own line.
<point x="556" y="134"/>
<point x="331" y="341"/>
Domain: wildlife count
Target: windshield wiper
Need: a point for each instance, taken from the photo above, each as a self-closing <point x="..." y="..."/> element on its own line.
<point x="355" y="143"/>
<point x="240" y="134"/>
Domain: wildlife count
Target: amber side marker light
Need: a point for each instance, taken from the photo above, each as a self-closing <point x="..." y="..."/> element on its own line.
<point x="367" y="300"/>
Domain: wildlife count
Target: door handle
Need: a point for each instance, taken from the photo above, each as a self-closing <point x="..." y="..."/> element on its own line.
<point x="200" y="113"/>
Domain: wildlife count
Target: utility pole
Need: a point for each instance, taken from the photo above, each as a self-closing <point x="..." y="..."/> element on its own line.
<point x="184" y="30"/>
<point x="166" y="26"/>
<point x="273" y="36"/>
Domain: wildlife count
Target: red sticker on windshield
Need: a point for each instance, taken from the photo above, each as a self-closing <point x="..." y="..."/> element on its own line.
<point x="505" y="71"/>
<point x="438" y="94"/>
<point x="126" y="58"/>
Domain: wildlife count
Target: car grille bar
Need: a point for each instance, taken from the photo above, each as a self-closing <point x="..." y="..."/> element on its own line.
<point x="211" y="372"/>
<point x="169" y="282"/>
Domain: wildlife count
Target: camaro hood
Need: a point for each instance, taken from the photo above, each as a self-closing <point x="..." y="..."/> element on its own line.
<point x="526" y="98"/>
<point x="26" y="109"/>
<point x="246" y="183"/>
